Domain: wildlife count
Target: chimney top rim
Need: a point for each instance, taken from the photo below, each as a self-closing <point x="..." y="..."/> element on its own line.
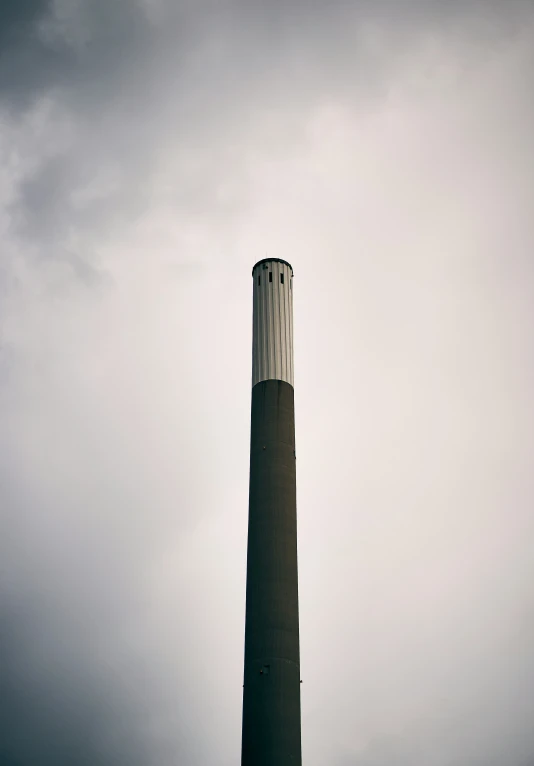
<point x="271" y="260"/>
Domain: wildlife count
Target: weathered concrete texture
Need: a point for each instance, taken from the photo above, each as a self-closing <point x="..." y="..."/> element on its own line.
<point x="271" y="694"/>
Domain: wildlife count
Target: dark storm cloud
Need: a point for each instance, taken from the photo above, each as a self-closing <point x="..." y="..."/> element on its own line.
<point x="59" y="701"/>
<point x="17" y="21"/>
<point x="84" y="45"/>
<point x="81" y="47"/>
<point x="57" y="706"/>
<point x="77" y="674"/>
<point x="133" y="78"/>
<point x="26" y="65"/>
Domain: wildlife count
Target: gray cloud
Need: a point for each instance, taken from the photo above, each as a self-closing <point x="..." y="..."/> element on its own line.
<point x="27" y="64"/>
<point x="54" y="710"/>
<point x="151" y="154"/>
<point x="52" y="44"/>
<point x="118" y="65"/>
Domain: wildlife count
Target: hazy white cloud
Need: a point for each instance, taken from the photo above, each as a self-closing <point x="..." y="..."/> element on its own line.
<point x="151" y="154"/>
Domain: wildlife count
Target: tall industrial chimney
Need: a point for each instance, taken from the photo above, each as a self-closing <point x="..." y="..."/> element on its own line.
<point x="271" y="691"/>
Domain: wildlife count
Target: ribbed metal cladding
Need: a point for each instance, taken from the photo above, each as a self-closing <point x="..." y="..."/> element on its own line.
<point x="272" y="346"/>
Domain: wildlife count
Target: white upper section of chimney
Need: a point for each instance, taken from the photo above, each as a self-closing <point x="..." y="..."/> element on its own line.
<point x="272" y="334"/>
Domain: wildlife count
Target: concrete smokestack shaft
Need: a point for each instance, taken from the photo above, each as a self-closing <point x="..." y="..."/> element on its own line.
<point x="271" y="692"/>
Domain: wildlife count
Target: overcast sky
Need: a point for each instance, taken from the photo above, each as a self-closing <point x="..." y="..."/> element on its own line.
<point x="150" y="152"/>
